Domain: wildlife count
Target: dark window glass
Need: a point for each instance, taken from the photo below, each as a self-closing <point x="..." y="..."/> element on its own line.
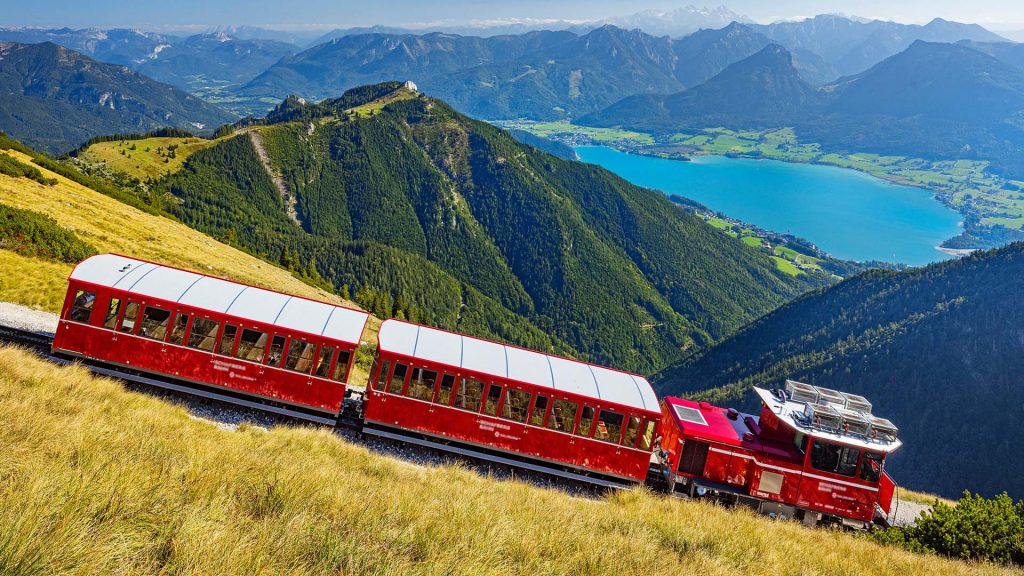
<point x="300" y="356"/>
<point x="382" y="376"/>
<point x="81" y="307"/>
<point x="647" y="438"/>
<point x="632" y="428"/>
<point x="276" y="351"/>
<point x="154" y="323"/>
<point x="113" y="307"/>
<point x="609" y="426"/>
<point x="340" y="372"/>
<point x="421" y="384"/>
<point x="131" y="313"/>
<point x="540" y="406"/>
<point x="178" y="332"/>
<point x="444" y="395"/>
<point x="323" y="363"/>
<point x="469" y="394"/>
<point x="586" y="421"/>
<point x="517" y="403"/>
<point x="227" y="340"/>
<point x="203" y="334"/>
<point x="397" y="381"/>
<point x="493" y="397"/>
<point x="251" y="345"/>
<point x="834" y="458"/>
<point x="563" y="415"/>
<point x="871" y="467"/>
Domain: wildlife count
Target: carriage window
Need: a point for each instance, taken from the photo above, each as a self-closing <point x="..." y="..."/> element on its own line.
<point x="871" y="467"/>
<point x="563" y="415"/>
<point x="632" y="427"/>
<point x="540" y="406"/>
<point x="469" y="394"/>
<point x="112" y="309"/>
<point x="647" y="439"/>
<point x="276" y="351"/>
<point x="154" y="323"/>
<point x="517" y="402"/>
<point x="227" y="340"/>
<point x="421" y="384"/>
<point x="203" y="335"/>
<point x="834" y="458"/>
<point x="609" y="426"/>
<point x="493" y="397"/>
<point x="586" y="421"/>
<point x="178" y="332"/>
<point x="340" y="372"/>
<point x="382" y="377"/>
<point x="251" y="345"/>
<point x="323" y="365"/>
<point x="444" y="396"/>
<point x="131" y="312"/>
<point x="397" y="381"/>
<point x="300" y="356"/>
<point x="81" y="308"/>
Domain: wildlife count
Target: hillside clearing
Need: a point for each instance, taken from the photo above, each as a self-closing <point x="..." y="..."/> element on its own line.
<point x="146" y="158"/>
<point x="98" y="480"/>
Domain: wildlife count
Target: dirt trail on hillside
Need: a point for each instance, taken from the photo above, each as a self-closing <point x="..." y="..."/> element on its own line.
<point x="282" y="187"/>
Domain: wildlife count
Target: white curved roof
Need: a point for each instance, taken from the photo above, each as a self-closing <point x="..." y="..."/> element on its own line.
<point x="513" y="363"/>
<point x="222" y="296"/>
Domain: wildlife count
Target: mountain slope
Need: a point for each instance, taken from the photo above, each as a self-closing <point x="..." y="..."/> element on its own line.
<point x="938" y="350"/>
<point x="423" y="212"/>
<point x="116" y="46"/>
<point x="54" y="99"/>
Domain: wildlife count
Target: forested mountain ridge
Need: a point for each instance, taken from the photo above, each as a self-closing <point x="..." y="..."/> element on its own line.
<point x="938" y="350"/>
<point x="417" y="210"/>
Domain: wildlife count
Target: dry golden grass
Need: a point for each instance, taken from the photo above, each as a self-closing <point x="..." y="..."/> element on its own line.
<point x="97" y="480"/>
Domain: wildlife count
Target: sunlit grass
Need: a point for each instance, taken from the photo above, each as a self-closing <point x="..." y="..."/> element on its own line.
<point x="146" y="158"/>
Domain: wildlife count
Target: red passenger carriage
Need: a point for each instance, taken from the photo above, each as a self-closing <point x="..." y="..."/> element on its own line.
<point x="813" y="454"/>
<point x="209" y="332"/>
<point x="504" y="403"/>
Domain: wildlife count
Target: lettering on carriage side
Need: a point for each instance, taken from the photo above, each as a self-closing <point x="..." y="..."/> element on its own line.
<point x="233" y="369"/>
<point x="826" y="487"/>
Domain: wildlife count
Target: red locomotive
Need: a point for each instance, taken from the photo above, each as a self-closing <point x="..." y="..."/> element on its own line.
<point x="813" y="454"/>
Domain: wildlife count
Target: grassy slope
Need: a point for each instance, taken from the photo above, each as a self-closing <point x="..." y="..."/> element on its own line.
<point x="97" y="480"/>
<point x="144" y="162"/>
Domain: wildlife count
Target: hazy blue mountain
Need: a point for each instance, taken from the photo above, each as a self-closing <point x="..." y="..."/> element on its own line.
<point x="1011" y="53"/>
<point x="117" y="46"/>
<point x="675" y="23"/>
<point x="53" y="99"/>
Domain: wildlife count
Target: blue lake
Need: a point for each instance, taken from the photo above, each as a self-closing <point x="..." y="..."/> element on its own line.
<point x="847" y="213"/>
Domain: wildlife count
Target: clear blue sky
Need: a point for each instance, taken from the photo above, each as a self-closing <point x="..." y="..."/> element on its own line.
<point x="1005" y="14"/>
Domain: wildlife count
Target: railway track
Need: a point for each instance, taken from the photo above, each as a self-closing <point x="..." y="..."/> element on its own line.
<point x="34" y="340"/>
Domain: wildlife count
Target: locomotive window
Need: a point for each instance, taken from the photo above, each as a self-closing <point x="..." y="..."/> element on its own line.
<point x="540" y="406"/>
<point x="469" y="394"/>
<point x="323" y="365"/>
<point x="131" y="312"/>
<point x="178" y="332"/>
<point x="398" y="379"/>
<point x="609" y="426"/>
<point x="444" y="395"/>
<point x="113" y="307"/>
<point x="276" y="351"/>
<point x="647" y="438"/>
<point x="834" y="458"/>
<point x="517" y="402"/>
<point x="154" y="323"/>
<point x="382" y="377"/>
<point x="203" y="335"/>
<point x="493" y="397"/>
<point x="632" y="427"/>
<point x="340" y="372"/>
<point x="251" y="345"/>
<point x="563" y="415"/>
<point x="421" y="384"/>
<point x="300" y="356"/>
<point x="586" y="421"/>
<point x="871" y="467"/>
<point x="81" y="308"/>
<point x="227" y="340"/>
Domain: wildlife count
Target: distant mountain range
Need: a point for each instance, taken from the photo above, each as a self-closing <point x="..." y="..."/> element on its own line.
<point x="938" y="350"/>
<point x="53" y="99"/>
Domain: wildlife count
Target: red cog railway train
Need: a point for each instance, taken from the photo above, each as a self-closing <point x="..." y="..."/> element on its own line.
<point x="813" y="454"/>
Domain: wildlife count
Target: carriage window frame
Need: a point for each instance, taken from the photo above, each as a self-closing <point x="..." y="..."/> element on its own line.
<point x="631" y="431"/>
<point x="275" y="351"/>
<point x="381" y="377"/>
<point x="112" y="313"/>
<point x="391" y="388"/>
<point x="130" y="306"/>
<point x="866" y="473"/>
<point x="239" y="350"/>
<point x="611" y="436"/>
<point x="339" y="371"/>
<point x="841" y="453"/>
<point x="292" y="360"/>
<point x="179" y="329"/>
<point x="322" y="369"/>
<point x="521" y="399"/>
<point x="563" y="420"/>
<point x="226" y="339"/>
<point x="146" y="325"/>
<point x="418" y="382"/>
<point x="203" y="336"/>
<point x="589" y="431"/>
<point x="544" y="402"/>
<point x="493" y="399"/>
<point x="83" y="302"/>
<point x="464" y="385"/>
<point x="646" y="441"/>
<point x="445" y="393"/>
